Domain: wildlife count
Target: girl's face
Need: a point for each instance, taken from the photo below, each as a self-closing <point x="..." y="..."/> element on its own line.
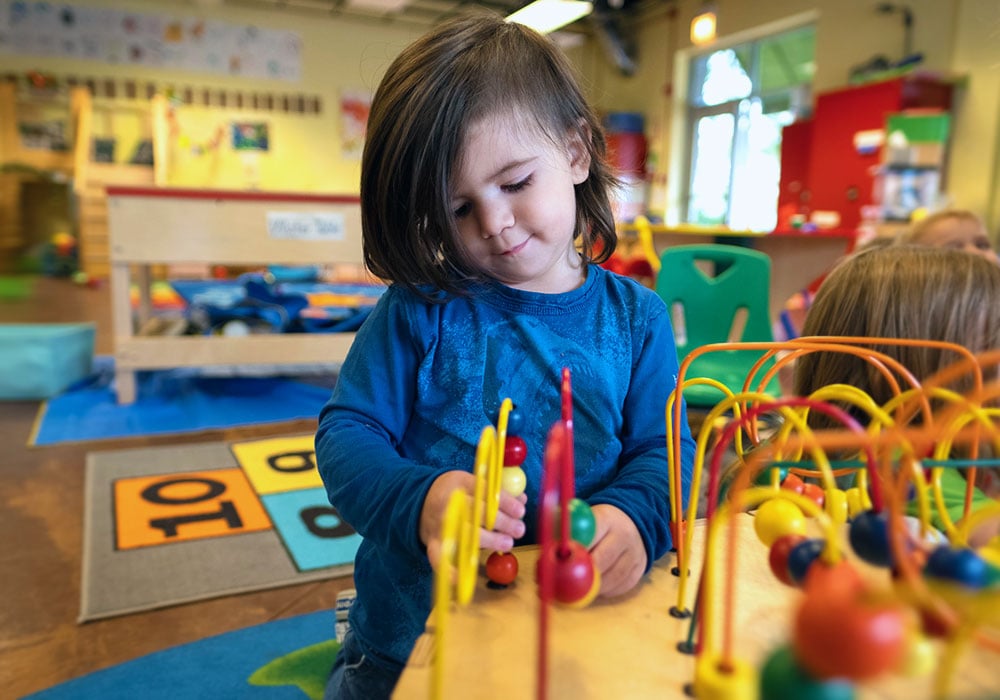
<point x="962" y="234"/>
<point x="514" y="204"/>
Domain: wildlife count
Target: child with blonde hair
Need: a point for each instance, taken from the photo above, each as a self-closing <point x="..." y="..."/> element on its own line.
<point x="905" y="291"/>
<point x="953" y="228"/>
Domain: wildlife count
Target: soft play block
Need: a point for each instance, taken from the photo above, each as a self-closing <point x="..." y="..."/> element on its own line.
<point x="39" y="360"/>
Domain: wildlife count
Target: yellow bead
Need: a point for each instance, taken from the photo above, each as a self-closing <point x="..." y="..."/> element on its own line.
<point x="991" y="552"/>
<point x="855" y="506"/>
<point x="776" y="518"/>
<point x="920" y="658"/>
<point x="513" y="480"/>
<point x="836" y="506"/>
<point x="712" y="681"/>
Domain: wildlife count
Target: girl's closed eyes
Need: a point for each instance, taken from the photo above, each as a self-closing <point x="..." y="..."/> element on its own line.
<point x="517" y="186"/>
<point x="465" y="209"/>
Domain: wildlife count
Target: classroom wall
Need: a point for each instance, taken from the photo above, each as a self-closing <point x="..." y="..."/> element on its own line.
<point x="305" y="153"/>
<point x="958" y="37"/>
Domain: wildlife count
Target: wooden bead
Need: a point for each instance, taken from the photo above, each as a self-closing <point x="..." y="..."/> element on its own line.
<point x="514" y="451"/>
<point x="778" y="517"/>
<point x="793" y="482"/>
<point x="777" y="557"/>
<point x="848" y="637"/>
<point x="513" y="481"/>
<point x="501" y="568"/>
<point x="814" y="492"/>
<point x="573" y="571"/>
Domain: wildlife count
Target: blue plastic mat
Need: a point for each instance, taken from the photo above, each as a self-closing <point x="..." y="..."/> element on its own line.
<point x="176" y="401"/>
<point x="286" y="659"/>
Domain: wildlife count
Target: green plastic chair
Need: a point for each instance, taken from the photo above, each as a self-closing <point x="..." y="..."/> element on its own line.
<point x="710" y="290"/>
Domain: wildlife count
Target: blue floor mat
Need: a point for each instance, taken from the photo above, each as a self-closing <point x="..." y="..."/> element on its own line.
<point x="176" y="401"/>
<point x="283" y="660"/>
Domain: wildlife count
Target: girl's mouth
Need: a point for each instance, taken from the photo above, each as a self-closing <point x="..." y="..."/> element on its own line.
<point x="516" y="249"/>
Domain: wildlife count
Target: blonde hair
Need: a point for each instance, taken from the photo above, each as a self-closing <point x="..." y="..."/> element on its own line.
<point x="901" y="291"/>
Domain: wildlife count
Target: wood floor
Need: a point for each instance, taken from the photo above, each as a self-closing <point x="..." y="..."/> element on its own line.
<point x="41" y="516"/>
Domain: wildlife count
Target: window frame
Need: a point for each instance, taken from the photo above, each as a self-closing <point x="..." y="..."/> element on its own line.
<point x="799" y="99"/>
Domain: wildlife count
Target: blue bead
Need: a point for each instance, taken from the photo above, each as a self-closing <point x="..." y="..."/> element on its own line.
<point x="515" y="422"/>
<point x="801" y="557"/>
<point x="961" y="565"/>
<point x="869" y="536"/>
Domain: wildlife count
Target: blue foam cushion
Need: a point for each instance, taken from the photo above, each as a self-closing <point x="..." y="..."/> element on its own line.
<point x="40" y="360"/>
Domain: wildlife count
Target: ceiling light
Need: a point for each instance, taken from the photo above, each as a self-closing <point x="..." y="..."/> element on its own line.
<point x="703" y="25"/>
<point x="379" y="5"/>
<point x="548" y="15"/>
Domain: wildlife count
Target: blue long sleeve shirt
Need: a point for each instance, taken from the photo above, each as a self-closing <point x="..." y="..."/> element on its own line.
<point x="422" y="380"/>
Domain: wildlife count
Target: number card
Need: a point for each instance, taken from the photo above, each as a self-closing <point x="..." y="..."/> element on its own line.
<point x="154" y="510"/>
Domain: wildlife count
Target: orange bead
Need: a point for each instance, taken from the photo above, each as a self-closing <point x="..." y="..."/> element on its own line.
<point x="846" y="637"/>
<point x="814" y="492"/>
<point x="794" y="483"/>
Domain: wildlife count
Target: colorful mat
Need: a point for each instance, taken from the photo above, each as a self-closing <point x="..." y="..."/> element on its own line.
<point x="170" y="525"/>
<point x="177" y="401"/>
<point x="282" y="660"/>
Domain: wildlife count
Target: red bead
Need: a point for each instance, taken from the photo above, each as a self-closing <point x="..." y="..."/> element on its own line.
<point x="573" y="571"/>
<point x="777" y="557"/>
<point x="793" y="483"/>
<point x="514" y="451"/>
<point x="501" y="568"/>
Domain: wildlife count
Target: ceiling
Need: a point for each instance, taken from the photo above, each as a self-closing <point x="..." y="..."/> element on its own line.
<point x="422" y="12"/>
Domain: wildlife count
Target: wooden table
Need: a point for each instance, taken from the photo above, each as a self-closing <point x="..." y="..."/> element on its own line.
<point x="627" y="647"/>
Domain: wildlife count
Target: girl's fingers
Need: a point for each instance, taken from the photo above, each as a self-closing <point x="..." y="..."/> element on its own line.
<point x="495" y="541"/>
<point x="434" y="552"/>
<point x="507" y="525"/>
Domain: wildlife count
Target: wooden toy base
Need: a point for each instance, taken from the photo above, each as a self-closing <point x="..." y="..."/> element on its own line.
<point x="627" y="647"/>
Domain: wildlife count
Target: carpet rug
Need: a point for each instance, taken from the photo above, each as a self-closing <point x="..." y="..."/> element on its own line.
<point x="170" y="525"/>
<point x="282" y="660"/>
<point x="177" y="401"/>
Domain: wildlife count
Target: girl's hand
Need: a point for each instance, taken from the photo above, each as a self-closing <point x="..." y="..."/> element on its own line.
<point x="617" y="551"/>
<point x="509" y="524"/>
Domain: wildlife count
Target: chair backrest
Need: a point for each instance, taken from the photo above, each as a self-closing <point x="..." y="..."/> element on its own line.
<point x="711" y="290"/>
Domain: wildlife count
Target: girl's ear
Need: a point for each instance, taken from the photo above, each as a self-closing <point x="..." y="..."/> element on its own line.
<point x="579" y="154"/>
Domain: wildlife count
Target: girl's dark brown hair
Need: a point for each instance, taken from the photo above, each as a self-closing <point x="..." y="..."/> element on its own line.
<point x="468" y="68"/>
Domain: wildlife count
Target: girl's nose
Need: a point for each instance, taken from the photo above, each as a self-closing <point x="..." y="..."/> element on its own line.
<point x="495" y="218"/>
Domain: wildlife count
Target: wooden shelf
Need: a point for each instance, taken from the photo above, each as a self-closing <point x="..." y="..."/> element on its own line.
<point x="152" y="226"/>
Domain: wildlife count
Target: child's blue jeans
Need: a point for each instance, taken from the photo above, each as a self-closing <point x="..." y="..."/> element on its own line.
<point x="358" y="677"/>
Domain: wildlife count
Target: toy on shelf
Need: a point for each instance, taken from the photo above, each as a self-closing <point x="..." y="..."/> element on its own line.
<point x="884" y="592"/>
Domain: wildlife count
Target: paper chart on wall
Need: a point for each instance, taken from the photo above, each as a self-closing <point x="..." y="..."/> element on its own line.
<point x="41" y="28"/>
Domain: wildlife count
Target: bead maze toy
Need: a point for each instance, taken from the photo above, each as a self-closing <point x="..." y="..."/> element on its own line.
<point x="885" y="592"/>
<point x="794" y="583"/>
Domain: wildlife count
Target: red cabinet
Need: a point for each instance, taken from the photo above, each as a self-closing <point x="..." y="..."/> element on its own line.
<point x="826" y="170"/>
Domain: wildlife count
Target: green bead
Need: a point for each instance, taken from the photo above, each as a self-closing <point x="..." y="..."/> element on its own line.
<point x="782" y="677"/>
<point x="764" y="477"/>
<point x="582" y="525"/>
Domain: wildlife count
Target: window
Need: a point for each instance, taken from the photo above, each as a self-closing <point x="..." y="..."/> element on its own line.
<point x="738" y="101"/>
